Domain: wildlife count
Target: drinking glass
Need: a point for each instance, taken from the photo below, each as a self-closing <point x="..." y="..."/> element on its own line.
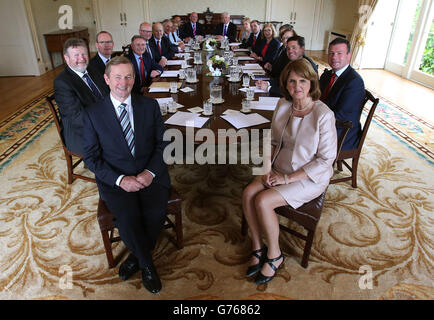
<point x="246" y="80"/>
<point x="245" y="105"/>
<point x="234" y="73"/>
<point x="184" y="64"/>
<point x="191" y="75"/>
<point x="216" y="93"/>
<point x="163" y="109"/>
<point x="172" y="106"/>
<point x="207" y="108"/>
<point x="173" y="87"/>
<point x="197" y="58"/>
<point x="250" y="93"/>
<point x="181" y="74"/>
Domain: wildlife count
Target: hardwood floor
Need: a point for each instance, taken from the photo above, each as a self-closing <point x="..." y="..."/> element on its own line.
<point x="16" y="91"/>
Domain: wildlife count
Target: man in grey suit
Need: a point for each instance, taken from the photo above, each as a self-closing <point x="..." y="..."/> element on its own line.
<point x="75" y="88"/>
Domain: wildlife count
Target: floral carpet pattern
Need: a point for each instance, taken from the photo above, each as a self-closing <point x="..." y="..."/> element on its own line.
<point x="373" y="242"/>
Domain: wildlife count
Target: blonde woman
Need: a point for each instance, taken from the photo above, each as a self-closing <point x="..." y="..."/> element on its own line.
<point x="245" y="31"/>
<point x="267" y="51"/>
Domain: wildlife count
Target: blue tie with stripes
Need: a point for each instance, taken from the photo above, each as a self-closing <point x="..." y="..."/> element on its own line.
<point x="126" y="127"/>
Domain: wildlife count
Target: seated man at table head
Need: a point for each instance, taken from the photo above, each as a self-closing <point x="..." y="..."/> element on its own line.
<point x="226" y="29"/>
<point x="145" y="67"/>
<point x="303" y="149"/>
<point x="294" y="51"/>
<point x="343" y="90"/>
<point x="123" y="146"/>
<point x="269" y="45"/>
<point x="192" y="29"/>
<point x="161" y="47"/>
<point x="75" y="88"/>
<point x="253" y="42"/>
<point x="104" y="45"/>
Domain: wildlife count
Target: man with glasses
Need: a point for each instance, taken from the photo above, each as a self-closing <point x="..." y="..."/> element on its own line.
<point x="104" y="44"/>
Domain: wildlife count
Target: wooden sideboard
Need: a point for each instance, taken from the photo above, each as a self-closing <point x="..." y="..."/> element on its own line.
<point x="56" y="39"/>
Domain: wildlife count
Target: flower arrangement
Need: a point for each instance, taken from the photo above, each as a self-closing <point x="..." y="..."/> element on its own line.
<point x="210" y="44"/>
<point x="216" y="64"/>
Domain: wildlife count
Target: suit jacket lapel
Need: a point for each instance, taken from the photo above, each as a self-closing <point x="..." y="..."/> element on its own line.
<point x="83" y="90"/>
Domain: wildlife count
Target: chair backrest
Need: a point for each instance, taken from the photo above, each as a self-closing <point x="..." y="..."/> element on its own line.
<point x="56" y="116"/>
<point x="126" y="49"/>
<point x="368" y="97"/>
<point x="346" y="126"/>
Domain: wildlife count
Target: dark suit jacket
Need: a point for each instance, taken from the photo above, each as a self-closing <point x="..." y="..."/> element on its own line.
<point x="345" y="99"/>
<point x="187" y="30"/>
<point x="72" y="95"/>
<point x="106" y="151"/>
<point x="231" y="32"/>
<point x="99" y="67"/>
<point x="168" y="50"/>
<point x="271" y="52"/>
<point x="150" y="65"/>
<point x="249" y="43"/>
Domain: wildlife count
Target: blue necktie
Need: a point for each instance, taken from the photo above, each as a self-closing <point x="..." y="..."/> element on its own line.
<point x="92" y="86"/>
<point x="224" y="32"/>
<point x="124" y="119"/>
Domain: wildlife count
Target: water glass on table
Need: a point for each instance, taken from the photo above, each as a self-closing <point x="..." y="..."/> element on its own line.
<point x="173" y="87"/>
<point x="215" y="93"/>
<point x="246" y="80"/>
<point x="163" y="109"/>
<point x="245" y="106"/>
<point x="181" y="74"/>
<point x="250" y="93"/>
<point x="172" y="106"/>
<point x="207" y="108"/>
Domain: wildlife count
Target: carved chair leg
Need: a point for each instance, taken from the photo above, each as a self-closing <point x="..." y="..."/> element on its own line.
<point x="108" y="248"/>
<point x="69" y="167"/>
<point x="307" y="248"/>
<point x="354" y="171"/>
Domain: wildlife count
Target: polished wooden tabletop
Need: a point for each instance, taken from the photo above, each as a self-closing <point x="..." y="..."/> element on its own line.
<point x="230" y="92"/>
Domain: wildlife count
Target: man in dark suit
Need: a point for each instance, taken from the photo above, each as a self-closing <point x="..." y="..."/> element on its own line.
<point x="76" y="87"/>
<point x="295" y="46"/>
<point x="123" y="146"/>
<point x="144" y="66"/>
<point x="343" y="90"/>
<point x="192" y="29"/>
<point x="104" y="45"/>
<point x="226" y="29"/>
<point x="254" y="41"/>
<point x="161" y="47"/>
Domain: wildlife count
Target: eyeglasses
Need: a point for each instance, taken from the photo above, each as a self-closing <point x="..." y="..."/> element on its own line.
<point x="105" y="42"/>
<point x="145" y="30"/>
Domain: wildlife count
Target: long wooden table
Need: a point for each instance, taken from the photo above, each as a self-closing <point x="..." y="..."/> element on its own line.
<point x="230" y="92"/>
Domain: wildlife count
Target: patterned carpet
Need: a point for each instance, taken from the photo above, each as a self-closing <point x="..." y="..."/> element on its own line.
<point x="386" y="226"/>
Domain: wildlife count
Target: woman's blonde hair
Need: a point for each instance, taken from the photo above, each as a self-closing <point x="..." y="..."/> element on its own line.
<point x="304" y="69"/>
<point x="273" y="30"/>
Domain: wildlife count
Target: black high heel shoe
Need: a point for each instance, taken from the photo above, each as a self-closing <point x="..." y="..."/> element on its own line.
<point x="252" y="270"/>
<point x="260" y="278"/>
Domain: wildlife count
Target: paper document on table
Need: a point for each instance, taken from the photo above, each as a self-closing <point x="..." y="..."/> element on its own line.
<point x="269" y="100"/>
<point x="174" y="62"/>
<point x="241" y="58"/>
<point x="169" y="74"/>
<point x="258" y="105"/>
<point x="164" y="100"/>
<point x="257" y="90"/>
<point x="252" y="66"/>
<point x="195" y="109"/>
<point x="234" y="44"/>
<point x="158" y="90"/>
<point x="241" y="120"/>
<point x="187" y="119"/>
<point x="231" y="111"/>
<point x="186" y="89"/>
<point x="241" y="50"/>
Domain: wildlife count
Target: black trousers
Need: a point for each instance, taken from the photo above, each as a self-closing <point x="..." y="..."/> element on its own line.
<point x="140" y="217"/>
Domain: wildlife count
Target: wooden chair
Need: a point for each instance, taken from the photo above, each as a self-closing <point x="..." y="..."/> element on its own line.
<point x="71" y="165"/>
<point x="309" y="213"/>
<point x="107" y="227"/>
<point x="355" y="153"/>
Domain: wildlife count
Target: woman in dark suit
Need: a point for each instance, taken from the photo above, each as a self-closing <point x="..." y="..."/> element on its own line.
<point x="269" y="46"/>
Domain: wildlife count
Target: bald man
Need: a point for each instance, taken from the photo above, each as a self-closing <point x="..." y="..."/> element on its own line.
<point x="161" y="47"/>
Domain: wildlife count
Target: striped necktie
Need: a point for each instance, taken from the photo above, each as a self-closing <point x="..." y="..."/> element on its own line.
<point x="124" y="119"/>
<point x="92" y="86"/>
<point x="224" y="31"/>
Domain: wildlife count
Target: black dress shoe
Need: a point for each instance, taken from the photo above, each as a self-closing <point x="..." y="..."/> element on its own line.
<point x="129" y="267"/>
<point x="150" y="279"/>
<point x="260" y="278"/>
<point x="252" y="270"/>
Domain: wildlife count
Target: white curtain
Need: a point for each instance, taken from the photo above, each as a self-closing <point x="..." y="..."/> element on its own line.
<point x="366" y="7"/>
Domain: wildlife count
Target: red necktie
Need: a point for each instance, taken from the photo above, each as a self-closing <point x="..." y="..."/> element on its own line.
<point x="254" y="41"/>
<point x="159" y="47"/>
<point x="142" y="70"/>
<point x="326" y="91"/>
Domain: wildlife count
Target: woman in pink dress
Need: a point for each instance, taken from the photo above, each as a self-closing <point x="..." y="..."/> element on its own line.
<point x="303" y="149"/>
